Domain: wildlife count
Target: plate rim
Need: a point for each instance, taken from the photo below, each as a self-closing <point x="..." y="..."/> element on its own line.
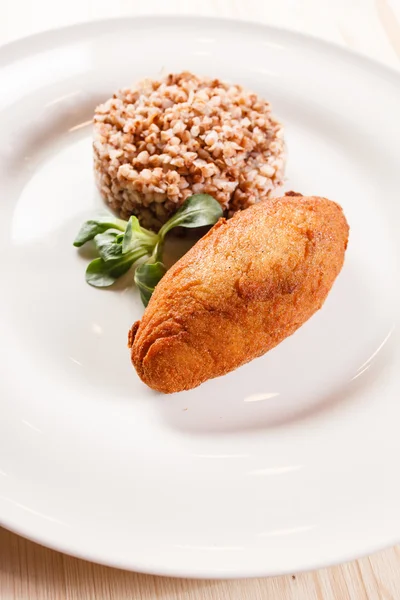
<point x="114" y="23"/>
<point x="193" y="573"/>
<point x="28" y="46"/>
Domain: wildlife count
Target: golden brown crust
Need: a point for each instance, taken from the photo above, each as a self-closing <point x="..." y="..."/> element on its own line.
<point x="132" y="333"/>
<point x="242" y="289"/>
<point x="292" y="193"/>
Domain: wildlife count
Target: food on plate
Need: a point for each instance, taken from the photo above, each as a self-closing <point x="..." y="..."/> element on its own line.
<point x="187" y="151"/>
<point x="161" y="141"/>
<point x="120" y="244"/>
<point x="249" y="283"/>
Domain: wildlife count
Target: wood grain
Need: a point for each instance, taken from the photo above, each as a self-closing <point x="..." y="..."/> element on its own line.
<point x="29" y="571"/>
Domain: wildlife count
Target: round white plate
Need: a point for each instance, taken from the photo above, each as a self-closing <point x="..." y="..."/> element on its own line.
<point x="290" y="462"/>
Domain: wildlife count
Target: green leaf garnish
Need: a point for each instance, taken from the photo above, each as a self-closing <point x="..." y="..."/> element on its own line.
<point x="109" y="244"/>
<point x="121" y="243"/>
<point x="103" y="273"/>
<point x="197" y="211"/>
<point x="135" y="236"/>
<point x="93" y="227"/>
<point x="147" y="276"/>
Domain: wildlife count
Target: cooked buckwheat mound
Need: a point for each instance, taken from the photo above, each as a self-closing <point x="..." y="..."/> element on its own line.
<point x="159" y="142"/>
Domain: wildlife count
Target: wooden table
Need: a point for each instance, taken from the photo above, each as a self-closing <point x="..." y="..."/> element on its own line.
<point x="28" y="571"/>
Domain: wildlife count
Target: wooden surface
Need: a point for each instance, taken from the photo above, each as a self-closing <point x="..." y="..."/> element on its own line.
<point x="28" y="571"/>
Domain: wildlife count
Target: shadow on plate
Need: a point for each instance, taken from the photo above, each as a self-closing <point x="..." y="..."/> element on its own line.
<point x="314" y="371"/>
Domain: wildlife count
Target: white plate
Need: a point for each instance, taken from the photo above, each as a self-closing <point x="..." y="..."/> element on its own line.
<point x="289" y="463"/>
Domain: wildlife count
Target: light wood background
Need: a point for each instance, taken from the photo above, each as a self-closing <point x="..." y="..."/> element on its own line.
<point x="29" y="571"/>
